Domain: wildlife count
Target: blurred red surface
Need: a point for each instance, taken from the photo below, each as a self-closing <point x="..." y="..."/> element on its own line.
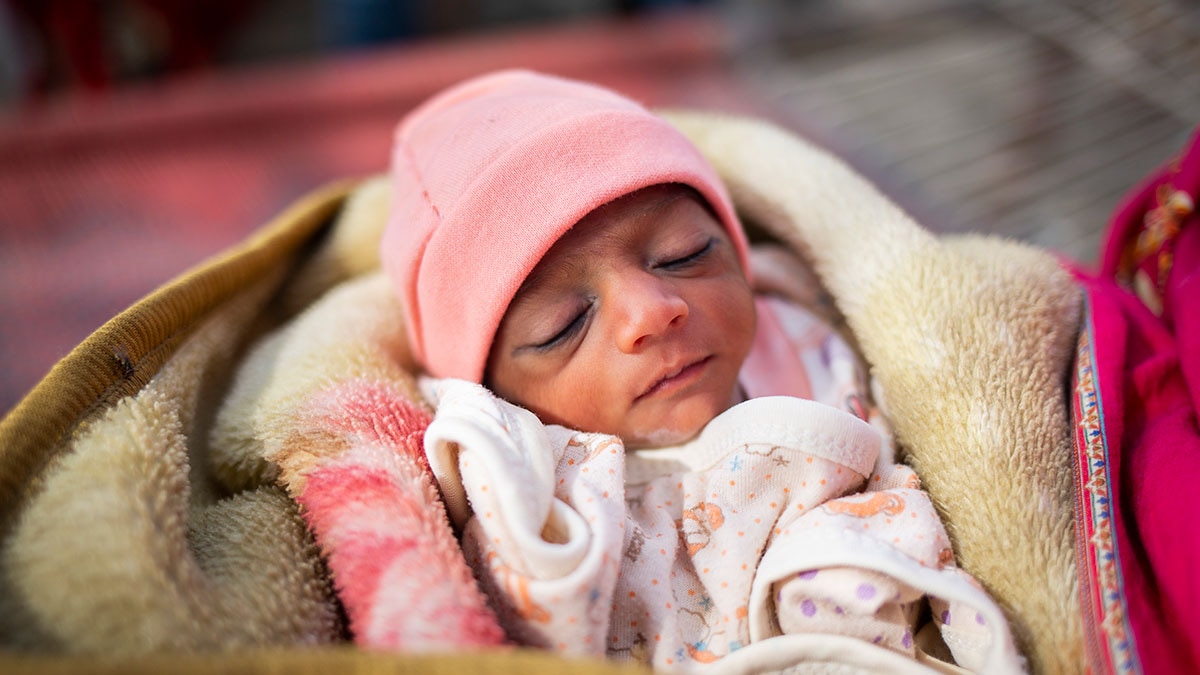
<point x="104" y="197"/>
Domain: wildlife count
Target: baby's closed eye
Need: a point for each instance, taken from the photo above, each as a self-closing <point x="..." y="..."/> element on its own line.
<point x="571" y="327"/>
<point x="693" y="256"/>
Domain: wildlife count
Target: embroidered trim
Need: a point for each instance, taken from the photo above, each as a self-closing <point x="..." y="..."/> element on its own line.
<point x="1147" y="259"/>
<point x="1109" y="637"/>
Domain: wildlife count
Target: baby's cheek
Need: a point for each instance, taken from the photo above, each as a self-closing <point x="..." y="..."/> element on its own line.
<point x="593" y="408"/>
<point x="746" y="319"/>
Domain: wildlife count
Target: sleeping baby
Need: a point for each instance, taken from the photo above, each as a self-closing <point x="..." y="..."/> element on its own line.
<point x="647" y="458"/>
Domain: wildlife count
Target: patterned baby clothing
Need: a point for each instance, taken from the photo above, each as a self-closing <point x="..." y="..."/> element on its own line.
<point x="783" y="534"/>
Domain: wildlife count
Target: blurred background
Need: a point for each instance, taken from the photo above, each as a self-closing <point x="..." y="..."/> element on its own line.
<point x="138" y="137"/>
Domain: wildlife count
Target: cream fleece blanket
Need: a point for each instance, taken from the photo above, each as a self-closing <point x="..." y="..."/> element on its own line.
<point x="969" y="338"/>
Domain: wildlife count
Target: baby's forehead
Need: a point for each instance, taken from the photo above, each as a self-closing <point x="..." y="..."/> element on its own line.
<point x="646" y="201"/>
<point x="626" y="220"/>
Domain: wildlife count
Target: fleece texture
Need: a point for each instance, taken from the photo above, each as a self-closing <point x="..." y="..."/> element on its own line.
<point x="328" y="408"/>
<point x="127" y="551"/>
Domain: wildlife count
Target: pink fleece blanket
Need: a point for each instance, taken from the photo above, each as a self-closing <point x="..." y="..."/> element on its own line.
<point x="1137" y="383"/>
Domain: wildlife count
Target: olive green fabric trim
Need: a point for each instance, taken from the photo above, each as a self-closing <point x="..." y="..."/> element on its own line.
<point x="345" y="660"/>
<point x="122" y="355"/>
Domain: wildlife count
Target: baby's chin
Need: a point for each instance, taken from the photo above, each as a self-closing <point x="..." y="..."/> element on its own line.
<point x="685" y="424"/>
<point x="665" y="437"/>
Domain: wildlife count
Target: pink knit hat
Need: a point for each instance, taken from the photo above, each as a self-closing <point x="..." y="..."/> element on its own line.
<point x="490" y="173"/>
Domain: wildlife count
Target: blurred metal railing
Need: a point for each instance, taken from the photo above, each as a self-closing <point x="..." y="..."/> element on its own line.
<point x="1024" y="118"/>
<point x="1149" y="46"/>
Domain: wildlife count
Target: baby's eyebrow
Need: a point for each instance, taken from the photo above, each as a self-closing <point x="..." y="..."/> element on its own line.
<point x="532" y="284"/>
<point x="566" y="268"/>
<point x="533" y="296"/>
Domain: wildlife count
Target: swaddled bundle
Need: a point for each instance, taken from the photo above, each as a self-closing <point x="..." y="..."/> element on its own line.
<point x="969" y="340"/>
<point x="577" y="254"/>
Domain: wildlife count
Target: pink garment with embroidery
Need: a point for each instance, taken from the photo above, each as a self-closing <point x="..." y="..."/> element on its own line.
<point x="1139" y="382"/>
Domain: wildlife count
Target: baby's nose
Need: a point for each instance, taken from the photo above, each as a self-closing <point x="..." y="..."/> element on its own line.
<point x="650" y="308"/>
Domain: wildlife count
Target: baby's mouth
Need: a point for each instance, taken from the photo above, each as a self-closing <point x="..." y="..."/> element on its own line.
<point x="676" y="377"/>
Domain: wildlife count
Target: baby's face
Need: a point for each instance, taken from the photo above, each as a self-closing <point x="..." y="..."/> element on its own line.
<point x="635" y="323"/>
